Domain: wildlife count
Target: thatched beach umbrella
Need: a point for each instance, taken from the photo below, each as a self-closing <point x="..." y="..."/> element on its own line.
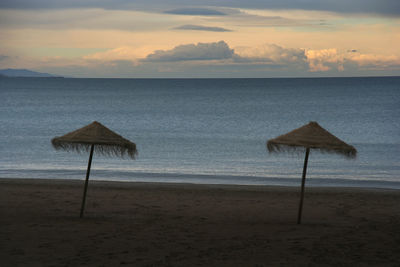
<point x="94" y="135"/>
<point x="310" y="136"/>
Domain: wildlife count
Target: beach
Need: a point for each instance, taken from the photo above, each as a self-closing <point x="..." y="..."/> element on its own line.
<point x="155" y="224"/>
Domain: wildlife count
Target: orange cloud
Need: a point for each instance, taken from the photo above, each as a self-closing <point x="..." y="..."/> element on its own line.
<point x="375" y="61"/>
<point x="128" y="53"/>
<point x="272" y="53"/>
<point x="332" y="59"/>
<point x="324" y="60"/>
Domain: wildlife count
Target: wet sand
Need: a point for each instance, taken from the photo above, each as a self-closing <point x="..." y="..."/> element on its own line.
<point x="149" y="224"/>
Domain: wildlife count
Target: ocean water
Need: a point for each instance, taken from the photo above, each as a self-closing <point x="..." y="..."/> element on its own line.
<point x="203" y="130"/>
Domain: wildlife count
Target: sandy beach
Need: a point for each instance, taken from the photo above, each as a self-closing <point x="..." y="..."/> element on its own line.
<point x="148" y="224"/>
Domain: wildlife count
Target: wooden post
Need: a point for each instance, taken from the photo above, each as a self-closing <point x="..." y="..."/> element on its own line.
<point x="87" y="180"/>
<point x="303" y="181"/>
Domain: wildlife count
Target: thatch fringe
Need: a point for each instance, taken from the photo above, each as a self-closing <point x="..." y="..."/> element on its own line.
<point x="273" y="147"/>
<point x="312" y="136"/>
<point x="105" y="141"/>
<point x="120" y="150"/>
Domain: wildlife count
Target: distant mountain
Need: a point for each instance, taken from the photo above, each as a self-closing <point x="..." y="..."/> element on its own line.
<point x="23" y="73"/>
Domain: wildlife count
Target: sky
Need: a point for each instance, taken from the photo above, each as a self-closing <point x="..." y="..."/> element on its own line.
<point x="201" y="39"/>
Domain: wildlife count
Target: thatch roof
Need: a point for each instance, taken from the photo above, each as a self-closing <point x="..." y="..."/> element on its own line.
<point x="312" y="136"/>
<point x="106" y="141"/>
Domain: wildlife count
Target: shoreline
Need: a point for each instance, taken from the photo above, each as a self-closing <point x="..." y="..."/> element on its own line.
<point x="160" y="224"/>
<point x="168" y="183"/>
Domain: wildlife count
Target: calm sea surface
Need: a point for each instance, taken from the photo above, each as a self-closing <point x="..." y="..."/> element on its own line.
<point x="203" y="130"/>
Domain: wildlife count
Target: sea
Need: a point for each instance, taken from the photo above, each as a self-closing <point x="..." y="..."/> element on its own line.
<point x="204" y="131"/>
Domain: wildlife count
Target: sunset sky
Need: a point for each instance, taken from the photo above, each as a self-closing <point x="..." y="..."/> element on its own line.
<point x="186" y="38"/>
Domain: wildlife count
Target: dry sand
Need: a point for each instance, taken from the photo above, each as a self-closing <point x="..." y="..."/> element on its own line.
<point x="147" y="224"/>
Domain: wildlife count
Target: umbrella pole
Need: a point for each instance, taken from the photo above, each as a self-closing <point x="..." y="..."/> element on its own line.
<point x="303" y="181"/>
<point x="87" y="180"/>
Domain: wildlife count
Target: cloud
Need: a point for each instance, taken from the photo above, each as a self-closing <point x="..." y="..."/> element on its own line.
<point x="382" y="7"/>
<point x="372" y="61"/>
<point x="219" y="60"/>
<point x="191" y="27"/>
<point x="268" y="54"/>
<point x="120" y="53"/>
<point x="324" y="60"/>
<point x="137" y="21"/>
<point x="331" y="59"/>
<point x="267" y="18"/>
<point x="91" y="19"/>
<point x="190" y="52"/>
<point x="195" y="11"/>
<point x="273" y="54"/>
<point x="214" y="59"/>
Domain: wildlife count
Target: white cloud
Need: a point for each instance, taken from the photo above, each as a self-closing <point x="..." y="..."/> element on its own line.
<point x="272" y="53"/>
<point x="201" y="51"/>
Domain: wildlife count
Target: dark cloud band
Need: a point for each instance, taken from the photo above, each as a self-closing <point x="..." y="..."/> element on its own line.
<point x="381" y="7"/>
<point x="195" y="12"/>
<point x="201" y="51"/>
<point x="190" y="27"/>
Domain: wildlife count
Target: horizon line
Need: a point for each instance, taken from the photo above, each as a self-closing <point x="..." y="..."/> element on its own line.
<point x="202" y="78"/>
